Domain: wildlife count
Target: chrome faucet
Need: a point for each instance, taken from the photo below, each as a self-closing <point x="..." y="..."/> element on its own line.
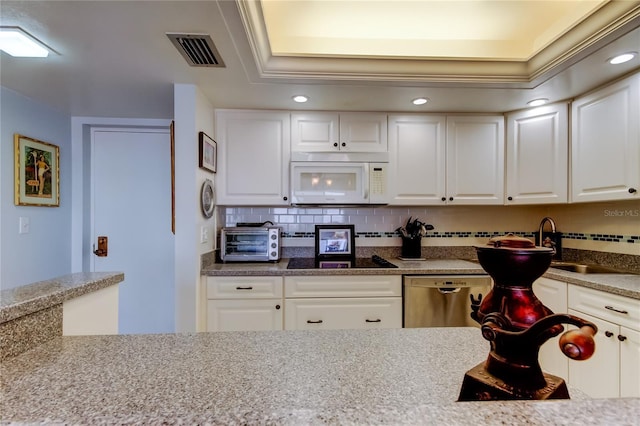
<point x="548" y="242"/>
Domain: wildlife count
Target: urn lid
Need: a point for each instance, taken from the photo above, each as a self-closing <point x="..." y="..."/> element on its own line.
<point x="513" y="242"/>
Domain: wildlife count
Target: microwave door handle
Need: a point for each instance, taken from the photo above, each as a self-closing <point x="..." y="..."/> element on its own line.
<point x="366" y="182"/>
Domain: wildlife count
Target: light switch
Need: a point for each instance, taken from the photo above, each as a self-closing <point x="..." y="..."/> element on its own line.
<point x="204" y="235"/>
<point x="24" y="225"/>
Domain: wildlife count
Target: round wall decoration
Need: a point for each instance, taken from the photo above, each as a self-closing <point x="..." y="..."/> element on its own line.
<point x="207" y="198"/>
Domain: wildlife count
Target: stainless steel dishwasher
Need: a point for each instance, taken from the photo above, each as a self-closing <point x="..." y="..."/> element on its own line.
<point x="442" y="301"/>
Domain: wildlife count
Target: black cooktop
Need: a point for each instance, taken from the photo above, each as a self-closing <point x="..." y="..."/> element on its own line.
<point x="360" y="262"/>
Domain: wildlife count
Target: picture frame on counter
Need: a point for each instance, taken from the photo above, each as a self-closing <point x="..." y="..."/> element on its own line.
<point x="335" y="242"/>
<point x="208" y="152"/>
<point x="37" y="172"/>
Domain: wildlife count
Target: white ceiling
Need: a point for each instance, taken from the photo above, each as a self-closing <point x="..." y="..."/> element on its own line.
<point x="115" y="60"/>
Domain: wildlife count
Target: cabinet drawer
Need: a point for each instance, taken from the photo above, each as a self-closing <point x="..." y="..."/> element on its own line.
<point x="345" y="313"/>
<point x="610" y="307"/>
<point x="244" y="287"/>
<point x="343" y="286"/>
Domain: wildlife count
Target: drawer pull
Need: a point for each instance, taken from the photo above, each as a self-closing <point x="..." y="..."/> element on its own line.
<point x="244" y="288"/>
<point x="314" y="322"/>
<point x="375" y="320"/>
<point x="622" y="338"/>
<point x="611" y="308"/>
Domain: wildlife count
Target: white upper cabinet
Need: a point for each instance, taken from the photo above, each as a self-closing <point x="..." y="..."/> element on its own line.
<point x="417" y="145"/>
<point x="253" y="157"/>
<point x="605" y="146"/>
<point x="537" y="155"/>
<point x="338" y="132"/>
<point x="475" y="160"/>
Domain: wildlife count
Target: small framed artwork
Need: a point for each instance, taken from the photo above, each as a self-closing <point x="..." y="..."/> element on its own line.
<point x="335" y="241"/>
<point x="37" y="172"/>
<point x="208" y="153"/>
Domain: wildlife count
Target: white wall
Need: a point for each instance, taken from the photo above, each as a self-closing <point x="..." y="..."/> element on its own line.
<point x="45" y="252"/>
<point x="193" y="113"/>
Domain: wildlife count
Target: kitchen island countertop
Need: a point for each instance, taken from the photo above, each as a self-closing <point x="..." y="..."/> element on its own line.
<point x="401" y="376"/>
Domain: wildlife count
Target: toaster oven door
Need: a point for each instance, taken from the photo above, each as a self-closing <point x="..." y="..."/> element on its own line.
<point x="250" y="245"/>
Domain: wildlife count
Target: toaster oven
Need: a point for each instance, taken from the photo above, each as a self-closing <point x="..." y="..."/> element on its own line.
<point x="250" y="244"/>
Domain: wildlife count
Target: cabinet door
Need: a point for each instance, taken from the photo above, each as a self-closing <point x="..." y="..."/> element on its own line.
<point x="598" y="376"/>
<point x="537" y="155"/>
<point x="629" y="363"/>
<point x="553" y="294"/>
<point x="244" y="315"/>
<point x="605" y="146"/>
<point x="363" y="132"/>
<point x="343" y="313"/>
<point x="475" y="160"/>
<point x="253" y="157"/>
<point x="314" y="132"/>
<point x="417" y="159"/>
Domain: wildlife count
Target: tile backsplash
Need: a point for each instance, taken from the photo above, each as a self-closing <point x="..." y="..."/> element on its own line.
<point x="610" y="227"/>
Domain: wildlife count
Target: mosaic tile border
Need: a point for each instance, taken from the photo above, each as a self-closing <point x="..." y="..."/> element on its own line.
<point x="630" y="239"/>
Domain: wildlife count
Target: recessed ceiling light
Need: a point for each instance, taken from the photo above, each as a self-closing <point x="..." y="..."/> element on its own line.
<point x="538" y="102"/>
<point x="300" y="98"/>
<point x="621" y="59"/>
<point x="17" y="42"/>
<point x="420" y="101"/>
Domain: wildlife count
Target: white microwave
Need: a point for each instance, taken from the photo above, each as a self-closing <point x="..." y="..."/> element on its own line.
<point x="338" y="183"/>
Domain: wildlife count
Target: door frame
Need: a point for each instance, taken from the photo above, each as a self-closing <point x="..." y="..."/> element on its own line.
<point x="81" y="198"/>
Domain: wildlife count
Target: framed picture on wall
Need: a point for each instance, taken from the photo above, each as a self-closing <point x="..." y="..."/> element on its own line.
<point x="208" y="152"/>
<point x="37" y="172"/>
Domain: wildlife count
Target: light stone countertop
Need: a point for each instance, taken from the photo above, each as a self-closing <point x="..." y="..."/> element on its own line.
<point x="627" y="285"/>
<point x="400" y="376"/>
<point x="20" y="301"/>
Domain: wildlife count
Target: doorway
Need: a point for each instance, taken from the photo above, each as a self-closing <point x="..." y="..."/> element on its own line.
<point x="131" y="206"/>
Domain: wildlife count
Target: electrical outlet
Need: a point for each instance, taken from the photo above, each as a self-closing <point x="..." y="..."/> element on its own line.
<point x="24" y="225"/>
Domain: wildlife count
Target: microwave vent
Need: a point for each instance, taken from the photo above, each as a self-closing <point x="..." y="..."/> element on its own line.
<point x="197" y="49"/>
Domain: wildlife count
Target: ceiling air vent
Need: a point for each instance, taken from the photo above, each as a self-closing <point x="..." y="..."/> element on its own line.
<point x="197" y="49"/>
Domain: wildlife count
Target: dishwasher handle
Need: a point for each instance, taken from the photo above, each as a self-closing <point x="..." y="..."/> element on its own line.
<point x="449" y="290"/>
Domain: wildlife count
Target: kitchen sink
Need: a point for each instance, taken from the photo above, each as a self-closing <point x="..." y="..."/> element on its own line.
<point x="584" y="268"/>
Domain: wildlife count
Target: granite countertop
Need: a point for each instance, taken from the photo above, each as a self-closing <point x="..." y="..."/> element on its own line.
<point x="400" y="376"/>
<point x="24" y="300"/>
<point x="627" y="285"/>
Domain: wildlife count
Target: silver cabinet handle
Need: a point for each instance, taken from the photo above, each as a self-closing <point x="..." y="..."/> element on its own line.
<point x="611" y="308"/>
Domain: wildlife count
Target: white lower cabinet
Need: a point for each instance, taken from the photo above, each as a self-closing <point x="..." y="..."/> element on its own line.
<point x="553" y="294"/>
<point x="343" y="302"/>
<point x="614" y="369"/>
<point x="244" y="303"/>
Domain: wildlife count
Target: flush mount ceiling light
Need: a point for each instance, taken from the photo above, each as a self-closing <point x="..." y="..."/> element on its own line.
<point x="621" y="59"/>
<point x="300" y="98"/>
<point x="17" y="42"/>
<point x="538" y="102"/>
<point x="420" y="101"/>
